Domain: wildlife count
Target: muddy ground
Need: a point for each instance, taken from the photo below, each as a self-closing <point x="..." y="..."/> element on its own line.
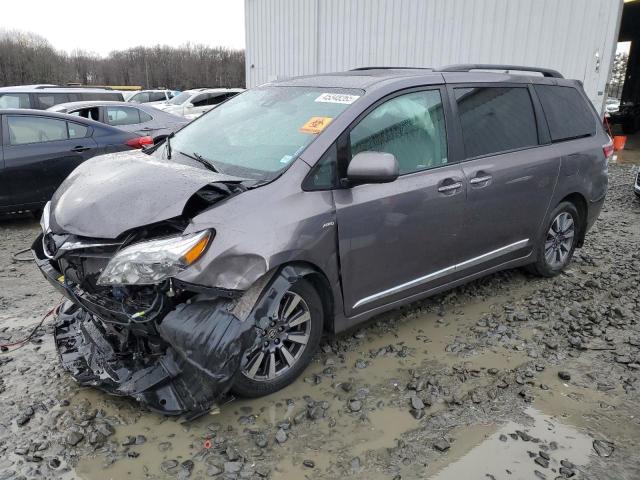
<point x="509" y="377"/>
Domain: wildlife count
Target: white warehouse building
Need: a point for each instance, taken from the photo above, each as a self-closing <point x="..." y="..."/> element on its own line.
<point x="286" y="38"/>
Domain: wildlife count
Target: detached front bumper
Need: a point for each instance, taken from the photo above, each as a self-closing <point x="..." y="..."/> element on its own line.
<point x="198" y="347"/>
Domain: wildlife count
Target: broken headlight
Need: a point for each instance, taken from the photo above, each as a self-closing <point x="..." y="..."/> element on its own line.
<point x="153" y="261"/>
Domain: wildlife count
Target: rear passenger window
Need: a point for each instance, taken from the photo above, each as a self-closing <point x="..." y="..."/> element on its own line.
<point x="47" y="100"/>
<point x="568" y="114"/>
<point x="14" y="100"/>
<point x="122" y="116"/>
<point x="92" y="113"/>
<point x="145" y="117"/>
<point x="142" y="97"/>
<point x="411" y="127"/>
<point x="25" y="129"/>
<point x="216" y="99"/>
<point x="157" y="96"/>
<point x="76" y="130"/>
<point x="200" y="100"/>
<point x="496" y="119"/>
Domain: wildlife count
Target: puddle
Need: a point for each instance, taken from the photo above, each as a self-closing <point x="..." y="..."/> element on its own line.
<point x="510" y="459"/>
<point x="340" y="435"/>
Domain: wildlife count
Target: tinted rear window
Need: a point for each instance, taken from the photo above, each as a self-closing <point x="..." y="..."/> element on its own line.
<point x="568" y="114"/>
<point x="14" y="100"/>
<point x="496" y="119"/>
<point x="47" y="100"/>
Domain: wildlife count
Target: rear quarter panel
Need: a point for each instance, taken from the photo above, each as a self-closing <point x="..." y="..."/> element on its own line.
<point x="584" y="170"/>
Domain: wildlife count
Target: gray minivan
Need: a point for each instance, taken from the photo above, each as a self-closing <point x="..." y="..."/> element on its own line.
<point x="217" y="260"/>
<point x="42" y="97"/>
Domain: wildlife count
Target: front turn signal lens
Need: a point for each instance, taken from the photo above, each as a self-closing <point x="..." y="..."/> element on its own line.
<point x="195" y="252"/>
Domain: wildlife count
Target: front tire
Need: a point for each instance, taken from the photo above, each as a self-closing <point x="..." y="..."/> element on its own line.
<point x="558" y="241"/>
<point x="286" y="347"/>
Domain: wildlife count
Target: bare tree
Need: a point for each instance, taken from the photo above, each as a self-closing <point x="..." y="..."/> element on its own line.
<point x="26" y="58"/>
<point x="618" y="74"/>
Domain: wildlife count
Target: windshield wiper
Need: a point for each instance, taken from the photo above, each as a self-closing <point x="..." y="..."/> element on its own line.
<point x="200" y="159"/>
<point x="168" y="146"/>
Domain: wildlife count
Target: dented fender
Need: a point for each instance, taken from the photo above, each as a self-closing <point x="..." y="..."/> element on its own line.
<point x="265" y="228"/>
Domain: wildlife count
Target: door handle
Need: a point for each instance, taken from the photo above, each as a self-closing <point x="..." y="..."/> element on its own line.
<point x="80" y="148"/>
<point x="450" y="187"/>
<point x="479" y="180"/>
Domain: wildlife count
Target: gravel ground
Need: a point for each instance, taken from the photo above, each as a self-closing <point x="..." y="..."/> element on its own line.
<point x="509" y="377"/>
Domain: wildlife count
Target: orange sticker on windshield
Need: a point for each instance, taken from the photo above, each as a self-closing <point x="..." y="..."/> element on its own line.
<point x="315" y="125"/>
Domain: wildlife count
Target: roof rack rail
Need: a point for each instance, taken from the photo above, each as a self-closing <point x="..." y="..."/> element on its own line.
<point x="43" y="87"/>
<point x="546" y="72"/>
<point x="390" y="68"/>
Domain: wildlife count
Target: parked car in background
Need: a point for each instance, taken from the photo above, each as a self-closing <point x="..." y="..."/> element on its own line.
<point x="152" y="96"/>
<point x="141" y="119"/>
<point x="628" y="116"/>
<point x="612" y="105"/>
<point x="39" y="149"/>
<point x="127" y="94"/>
<point x="217" y="261"/>
<point x="41" y="97"/>
<point x="193" y="103"/>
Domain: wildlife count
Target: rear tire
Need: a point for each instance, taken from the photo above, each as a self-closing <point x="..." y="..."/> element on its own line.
<point x="289" y="357"/>
<point x="557" y="243"/>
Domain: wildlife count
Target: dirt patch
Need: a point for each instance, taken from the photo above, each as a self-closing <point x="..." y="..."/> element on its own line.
<point x="462" y="385"/>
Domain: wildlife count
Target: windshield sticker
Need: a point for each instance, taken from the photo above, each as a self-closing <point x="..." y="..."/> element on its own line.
<point x="315" y="125"/>
<point x="337" y="98"/>
<point x="286" y="159"/>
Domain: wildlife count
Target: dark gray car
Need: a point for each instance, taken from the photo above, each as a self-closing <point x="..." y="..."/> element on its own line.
<point x="141" y="119"/>
<point x="311" y="205"/>
<point x="39" y="149"/>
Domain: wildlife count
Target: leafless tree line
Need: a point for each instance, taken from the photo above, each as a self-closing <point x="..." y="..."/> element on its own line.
<point x="27" y="58"/>
<point x="618" y="74"/>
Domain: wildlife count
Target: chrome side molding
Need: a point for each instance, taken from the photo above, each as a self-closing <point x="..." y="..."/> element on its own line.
<point x="445" y="271"/>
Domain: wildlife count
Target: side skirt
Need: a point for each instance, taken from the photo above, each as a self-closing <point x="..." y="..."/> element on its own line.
<point x="346" y="323"/>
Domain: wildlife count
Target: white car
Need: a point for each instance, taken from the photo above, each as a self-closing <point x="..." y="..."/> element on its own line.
<point x="193" y="103"/>
<point x="612" y="105"/>
<point x="151" y="97"/>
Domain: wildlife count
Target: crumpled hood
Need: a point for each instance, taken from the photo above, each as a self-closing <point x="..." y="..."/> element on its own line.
<point x="110" y="194"/>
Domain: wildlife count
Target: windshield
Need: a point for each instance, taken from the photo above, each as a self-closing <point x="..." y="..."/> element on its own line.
<point x="180" y="99"/>
<point x="257" y="134"/>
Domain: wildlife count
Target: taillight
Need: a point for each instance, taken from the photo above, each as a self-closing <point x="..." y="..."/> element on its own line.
<point x="607" y="148"/>
<point x="139" y="142"/>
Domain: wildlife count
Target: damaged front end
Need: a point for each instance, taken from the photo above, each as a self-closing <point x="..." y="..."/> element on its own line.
<point x="130" y="327"/>
<point x="178" y="357"/>
<point x="174" y="347"/>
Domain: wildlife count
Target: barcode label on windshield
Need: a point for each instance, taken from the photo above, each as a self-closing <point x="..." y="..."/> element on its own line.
<point x="337" y="98"/>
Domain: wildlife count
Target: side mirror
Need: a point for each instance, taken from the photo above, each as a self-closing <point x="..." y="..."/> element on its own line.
<point x="188" y="105"/>
<point x="372" y="167"/>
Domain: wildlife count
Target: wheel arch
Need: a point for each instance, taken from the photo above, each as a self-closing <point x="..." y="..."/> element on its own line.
<point x="318" y="279"/>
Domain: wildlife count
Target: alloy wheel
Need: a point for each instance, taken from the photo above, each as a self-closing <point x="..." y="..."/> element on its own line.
<point x="559" y="241"/>
<point x="280" y="345"/>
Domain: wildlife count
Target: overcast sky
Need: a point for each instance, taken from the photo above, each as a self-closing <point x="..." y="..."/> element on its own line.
<point x="101" y="27"/>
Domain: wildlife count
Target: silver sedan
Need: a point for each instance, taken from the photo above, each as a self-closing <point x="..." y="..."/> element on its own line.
<point x="140" y="119"/>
